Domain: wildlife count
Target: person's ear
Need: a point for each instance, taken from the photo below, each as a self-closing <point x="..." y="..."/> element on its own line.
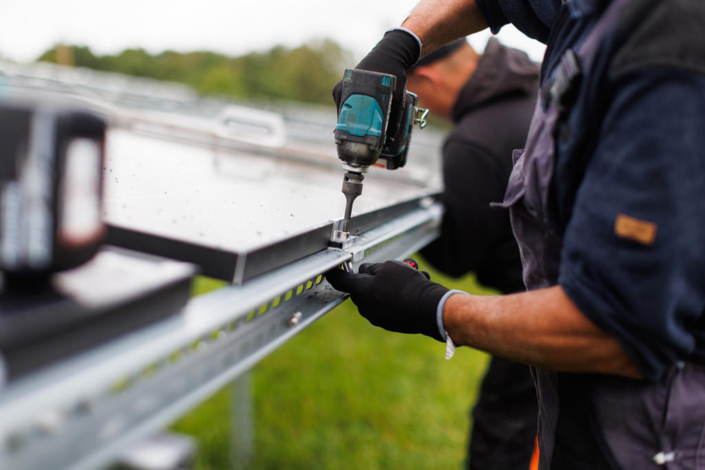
<point x="425" y="76"/>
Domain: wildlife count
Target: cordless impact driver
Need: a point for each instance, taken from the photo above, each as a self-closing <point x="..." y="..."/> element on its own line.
<point x="361" y="134"/>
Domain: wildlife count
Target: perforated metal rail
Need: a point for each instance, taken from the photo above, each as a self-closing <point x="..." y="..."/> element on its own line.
<point x="82" y="413"/>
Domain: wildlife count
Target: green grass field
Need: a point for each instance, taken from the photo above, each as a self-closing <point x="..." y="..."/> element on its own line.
<point x="346" y="395"/>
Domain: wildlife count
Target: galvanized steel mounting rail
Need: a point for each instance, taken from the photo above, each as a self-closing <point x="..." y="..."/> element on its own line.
<point x="80" y="414"/>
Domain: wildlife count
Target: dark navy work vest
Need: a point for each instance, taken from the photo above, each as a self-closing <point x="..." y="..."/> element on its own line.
<point x="590" y="421"/>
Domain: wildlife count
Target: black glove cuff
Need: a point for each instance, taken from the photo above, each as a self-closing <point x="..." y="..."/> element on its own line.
<point x="417" y="53"/>
<point x="432" y="296"/>
<point x="397" y="46"/>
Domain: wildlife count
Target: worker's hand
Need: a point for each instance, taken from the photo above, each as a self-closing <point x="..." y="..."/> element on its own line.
<point x="394" y="54"/>
<point x="393" y="296"/>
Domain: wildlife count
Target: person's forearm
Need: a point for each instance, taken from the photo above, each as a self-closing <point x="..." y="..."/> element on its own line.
<point x="542" y="328"/>
<point x="438" y="22"/>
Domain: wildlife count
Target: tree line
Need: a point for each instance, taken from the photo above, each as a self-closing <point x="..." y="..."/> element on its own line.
<point x="305" y="73"/>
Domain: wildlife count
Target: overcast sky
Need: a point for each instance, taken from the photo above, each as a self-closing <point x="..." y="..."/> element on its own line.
<point x="29" y="27"/>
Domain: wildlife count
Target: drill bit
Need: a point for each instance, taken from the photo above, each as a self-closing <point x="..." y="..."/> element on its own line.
<point x="352" y="188"/>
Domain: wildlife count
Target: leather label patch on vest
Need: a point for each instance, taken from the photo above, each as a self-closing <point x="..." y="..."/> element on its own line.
<point x="637" y="230"/>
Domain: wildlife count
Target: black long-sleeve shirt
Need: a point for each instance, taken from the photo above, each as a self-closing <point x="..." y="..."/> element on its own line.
<point x="491" y="116"/>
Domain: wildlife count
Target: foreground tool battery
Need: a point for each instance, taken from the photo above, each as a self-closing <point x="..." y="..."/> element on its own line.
<point x="51" y="159"/>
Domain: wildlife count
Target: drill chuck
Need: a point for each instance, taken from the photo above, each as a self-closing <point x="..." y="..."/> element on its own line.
<point x="357" y="154"/>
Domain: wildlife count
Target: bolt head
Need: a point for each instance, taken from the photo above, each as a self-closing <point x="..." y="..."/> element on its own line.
<point x="294" y="319"/>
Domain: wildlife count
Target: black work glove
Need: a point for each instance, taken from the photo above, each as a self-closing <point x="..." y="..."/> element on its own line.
<point x="393" y="296"/>
<point x="394" y="54"/>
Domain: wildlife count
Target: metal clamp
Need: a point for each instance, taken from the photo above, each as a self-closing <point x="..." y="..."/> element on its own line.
<point x="340" y="238"/>
<point x="420" y="115"/>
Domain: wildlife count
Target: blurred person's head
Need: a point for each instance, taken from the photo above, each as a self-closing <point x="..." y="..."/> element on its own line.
<point x="438" y="78"/>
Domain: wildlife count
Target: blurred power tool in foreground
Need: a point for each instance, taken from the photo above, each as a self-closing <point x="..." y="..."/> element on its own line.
<point x="51" y="159"/>
<point x="361" y="133"/>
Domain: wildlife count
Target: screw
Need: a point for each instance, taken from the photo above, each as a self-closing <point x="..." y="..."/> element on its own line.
<point x="294" y="319"/>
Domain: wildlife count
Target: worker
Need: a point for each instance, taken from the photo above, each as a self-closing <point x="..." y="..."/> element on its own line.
<point x="490" y="98"/>
<point x="607" y="203"/>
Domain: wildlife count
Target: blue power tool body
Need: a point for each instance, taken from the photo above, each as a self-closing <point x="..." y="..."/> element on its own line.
<point x="361" y="133"/>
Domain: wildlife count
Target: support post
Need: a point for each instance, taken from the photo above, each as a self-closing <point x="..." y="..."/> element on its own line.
<point x="242" y="445"/>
